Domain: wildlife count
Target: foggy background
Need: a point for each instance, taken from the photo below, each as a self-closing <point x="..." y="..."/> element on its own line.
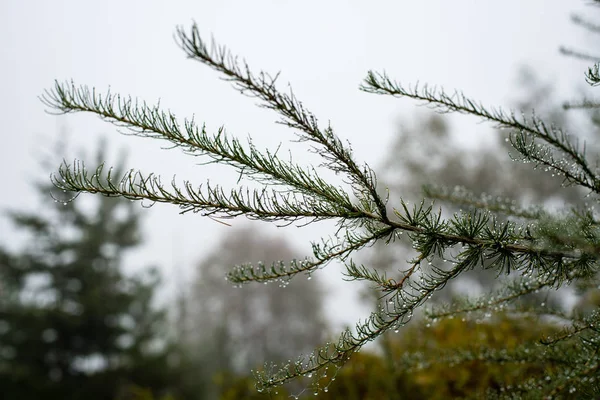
<point x="324" y="49"/>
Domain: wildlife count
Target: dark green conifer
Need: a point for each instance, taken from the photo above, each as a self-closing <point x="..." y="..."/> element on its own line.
<point x="72" y="324"/>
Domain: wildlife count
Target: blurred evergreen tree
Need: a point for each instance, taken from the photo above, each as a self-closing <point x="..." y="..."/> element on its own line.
<point x="72" y="324"/>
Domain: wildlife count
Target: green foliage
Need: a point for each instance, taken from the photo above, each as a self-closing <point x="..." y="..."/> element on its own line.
<point x="537" y="249"/>
<point x="72" y="324"/>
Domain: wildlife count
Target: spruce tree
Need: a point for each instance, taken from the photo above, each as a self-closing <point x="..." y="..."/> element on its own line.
<point x="72" y="324"/>
<point x="547" y="250"/>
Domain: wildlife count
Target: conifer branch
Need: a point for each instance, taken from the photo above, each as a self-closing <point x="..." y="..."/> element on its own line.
<point x="515" y="290"/>
<point x="323" y="254"/>
<point x="355" y="272"/>
<point x="583" y="104"/>
<point x="145" y="121"/>
<point x="578" y="327"/>
<point x="542" y="155"/>
<point x="547" y="251"/>
<point x="262" y="204"/>
<point x="381" y="84"/>
<point x="584" y="23"/>
<point x="294" y="115"/>
<point x="593" y="75"/>
<point x="578" y="54"/>
<point x="395" y="314"/>
<point x="430" y="235"/>
<point x="461" y="196"/>
<point x="382" y="283"/>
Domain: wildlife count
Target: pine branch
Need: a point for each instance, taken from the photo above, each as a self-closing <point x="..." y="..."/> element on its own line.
<point x="533" y="126"/>
<point x="145" y="121"/>
<point x="510" y="292"/>
<point x="396" y="313"/>
<point x="262" y="86"/>
<point x="388" y="286"/>
<point x="583" y="104"/>
<point x="547" y="251"/>
<point x="584" y="23"/>
<point x="578" y="54"/>
<point x="419" y="223"/>
<point x="461" y="196"/>
<point x="393" y="316"/>
<point x="542" y="155"/>
<point x="323" y="254"/>
<point x="593" y="75"/>
<point x="577" y="328"/>
<point x="355" y="273"/>
<point x="262" y="204"/>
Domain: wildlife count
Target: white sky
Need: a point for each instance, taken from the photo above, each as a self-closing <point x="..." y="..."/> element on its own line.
<point x="323" y="48"/>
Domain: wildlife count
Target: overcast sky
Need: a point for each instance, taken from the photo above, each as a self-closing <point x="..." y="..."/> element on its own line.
<point x="323" y="48"/>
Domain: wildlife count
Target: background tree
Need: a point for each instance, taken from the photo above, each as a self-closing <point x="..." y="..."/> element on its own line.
<point x="548" y="249"/>
<point x="72" y="324"/>
<point x="235" y="328"/>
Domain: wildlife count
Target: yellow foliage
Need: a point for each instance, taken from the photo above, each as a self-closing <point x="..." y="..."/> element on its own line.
<point x="134" y="392"/>
<point x="441" y="379"/>
<point x="372" y="376"/>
